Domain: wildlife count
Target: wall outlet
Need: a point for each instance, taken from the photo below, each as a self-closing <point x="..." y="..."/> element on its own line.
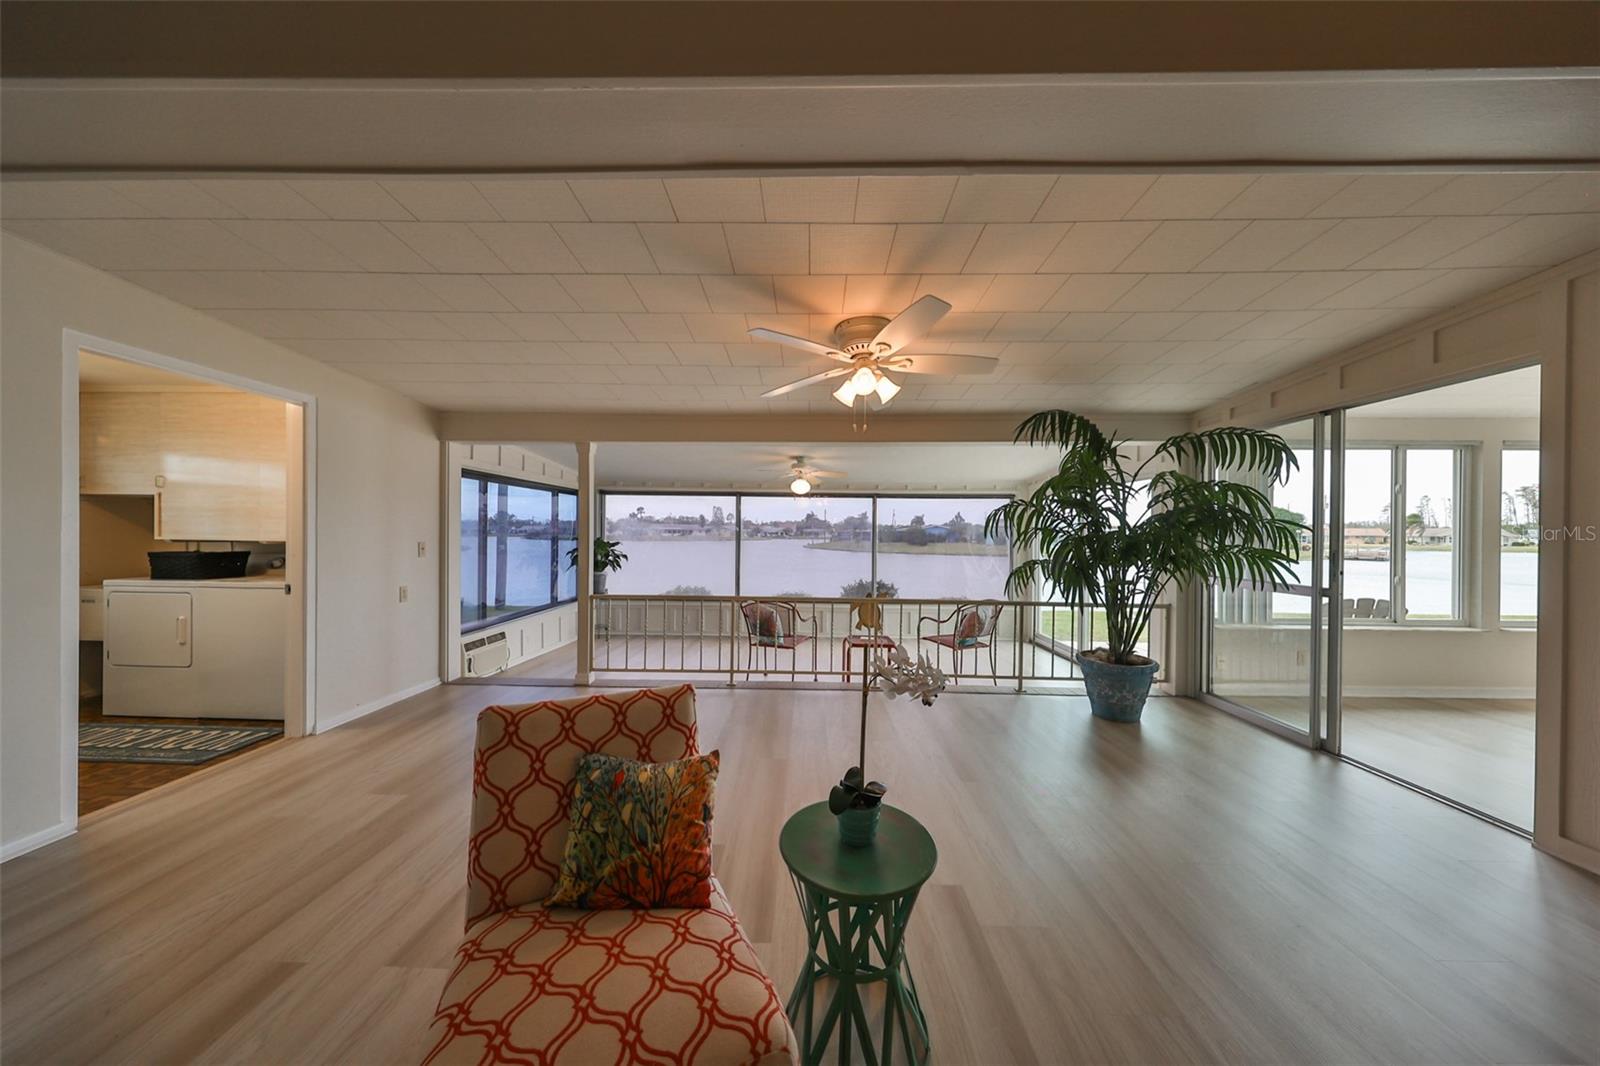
<point x="404" y="592"/>
<point x="422" y="549"/>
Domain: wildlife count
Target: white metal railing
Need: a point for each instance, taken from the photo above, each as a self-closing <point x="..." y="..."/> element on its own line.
<point x="1010" y="643"/>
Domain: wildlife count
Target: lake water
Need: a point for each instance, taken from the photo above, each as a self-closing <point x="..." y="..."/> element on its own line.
<point x="772" y="567"/>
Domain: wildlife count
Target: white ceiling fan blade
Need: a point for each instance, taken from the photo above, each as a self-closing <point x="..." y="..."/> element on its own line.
<point x="761" y="333"/>
<point x="803" y="382"/>
<point x="825" y="473"/>
<point x="912" y="323"/>
<point x="942" y="363"/>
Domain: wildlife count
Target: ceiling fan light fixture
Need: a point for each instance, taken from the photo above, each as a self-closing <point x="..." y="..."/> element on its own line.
<point x="846" y="393"/>
<point x="799" y="486"/>
<point x="863" y="381"/>
<point x="886" y="389"/>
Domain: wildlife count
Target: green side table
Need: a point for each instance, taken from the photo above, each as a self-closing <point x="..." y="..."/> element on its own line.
<point x="856" y="903"/>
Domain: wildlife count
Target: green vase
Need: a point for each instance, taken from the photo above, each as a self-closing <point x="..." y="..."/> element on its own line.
<point x="859" y="825"/>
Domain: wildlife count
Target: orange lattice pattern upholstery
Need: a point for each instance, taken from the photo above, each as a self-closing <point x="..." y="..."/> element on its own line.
<point x="545" y="986"/>
<point x="587" y="987"/>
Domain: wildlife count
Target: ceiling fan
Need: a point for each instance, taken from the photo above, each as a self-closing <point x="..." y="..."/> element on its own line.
<point x="870" y="345"/>
<point x="805" y="478"/>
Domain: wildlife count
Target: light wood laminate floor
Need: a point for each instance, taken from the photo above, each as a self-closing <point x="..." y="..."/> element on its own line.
<point x="1189" y="890"/>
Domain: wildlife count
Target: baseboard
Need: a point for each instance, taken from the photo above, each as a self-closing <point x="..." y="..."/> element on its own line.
<point x="364" y="709"/>
<point x="33" y="841"/>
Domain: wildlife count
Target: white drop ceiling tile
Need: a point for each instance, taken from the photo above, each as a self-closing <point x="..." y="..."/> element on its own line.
<point x="1270" y="325"/>
<point x="1342" y="322"/>
<point x="1150" y="326"/>
<point x="1014" y="248"/>
<point x="1563" y="194"/>
<point x="449" y="247"/>
<point x="716" y="199"/>
<point x="998" y="197"/>
<point x="1536" y="240"/>
<point x="903" y="198"/>
<point x="809" y="199"/>
<point x="1092" y="197"/>
<point x="533" y="292"/>
<point x="714" y="328"/>
<point x="441" y="201"/>
<point x="701" y="354"/>
<point x="1178" y="246"/>
<point x="850" y="249"/>
<point x="291" y="325"/>
<point x="738" y="293"/>
<point x="601" y="292"/>
<point x="646" y="353"/>
<point x="1265" y="242"/>
<point x="1141" y="352"/>
<point x="592" y="374"/>
<point x="769" y="248"/>
<point x="168" y="198"/>
<point x="67" y="199"/>
<point x="1020" y="292"/>
<point x="538" y="326"/>
<point x="1476" y="194"/>
<point x="476" y="326"/>
<point x="1306" y="290"/>
<point x="1091" y="292"/>
<point x="468" y="292"/>
<point x="1188" y="195"/>
<point x="1230" y="292"/>
<point x="639" y="375"/>
<point x="592" y="352"/>
<point x="669" y="293"/>
<point x="963" y="292"/>
<point x="1096" y="247"/>
<point x="766" y="356"/>
<point x="623" y="199"/>
<point x="1348" y="242"/>
<point x="1284" y="195"/>
<point x="964" y="326"/>
<point x="1199" y="351"/>
<point x="1025" y="326"/>
<point x="1162" y="292"/>
<point x="596" y="326"/>
<point x="657" y="327"/>
<point x="528" y="247"/>
<point x="687" y="247"/>
<point x="1128" y="373"/>
<point x="259" y="198"/>
<point x="350" y="198"/>
<point x="808" y="294"/>
<point x="879" y="294"/>
<point x="932" y="249"/>
<point x="290" y="244"/>
<point x="368" y="244"/>
<point x="1087" y="326"/>
<point x="210" y="289"/>
<point x="1456" y="286"/>
<point x="416" y="325"/>
<point x="1211" y="325"/>
<point x="1434" y="239"/>
<point x="607" y="247"/>
<point x="536" y="200"/>
<point x="1373" y="195"/>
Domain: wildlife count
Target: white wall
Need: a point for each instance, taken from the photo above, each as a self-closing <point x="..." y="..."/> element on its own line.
<point x="377" y="495"/>
<point x="531" y="635"/>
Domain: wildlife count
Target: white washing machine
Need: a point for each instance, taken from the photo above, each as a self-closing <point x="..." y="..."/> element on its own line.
<point x="195" y="649"/>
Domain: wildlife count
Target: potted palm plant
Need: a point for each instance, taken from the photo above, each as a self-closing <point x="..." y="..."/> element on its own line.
<point x="606" y="559"/>
<point x="1083" y="541"/>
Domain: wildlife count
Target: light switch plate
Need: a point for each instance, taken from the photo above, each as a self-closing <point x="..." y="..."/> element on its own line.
<point x="422" y="549"/>
<point x="404" y="592"/>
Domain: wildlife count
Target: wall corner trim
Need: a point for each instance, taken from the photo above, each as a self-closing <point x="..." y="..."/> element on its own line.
<point x="363" y="709"/>
<point x="33" y="841"/>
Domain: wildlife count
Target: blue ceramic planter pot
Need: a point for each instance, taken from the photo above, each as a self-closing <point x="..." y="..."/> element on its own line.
<point x="858" y="826"/>
<point x="1117" y="693"/>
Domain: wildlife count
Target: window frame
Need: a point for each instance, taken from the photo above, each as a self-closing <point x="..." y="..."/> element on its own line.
<point x="556" y="491"/>
<point x="1500" y="602"/>
<point x="871" y="498"/>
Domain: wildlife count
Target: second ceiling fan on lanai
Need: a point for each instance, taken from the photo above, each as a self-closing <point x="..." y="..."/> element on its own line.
<point x="869" y="345"/>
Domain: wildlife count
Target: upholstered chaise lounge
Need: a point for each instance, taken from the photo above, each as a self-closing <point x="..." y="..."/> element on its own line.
<point x="543" y="985"/>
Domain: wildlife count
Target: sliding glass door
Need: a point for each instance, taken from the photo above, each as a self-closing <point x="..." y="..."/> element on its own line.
<point x="1269" y="645"/>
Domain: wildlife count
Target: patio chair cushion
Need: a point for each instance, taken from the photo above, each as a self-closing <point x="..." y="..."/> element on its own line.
<point x="766" y="625"/>
<point x="536" y="984"/>
<point x="526" y="759"/>
<point x="969" y="627"/>
<point x="640" y="834"/>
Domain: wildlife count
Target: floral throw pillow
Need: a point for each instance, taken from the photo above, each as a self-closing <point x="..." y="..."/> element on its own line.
<point x="640" y="834"/>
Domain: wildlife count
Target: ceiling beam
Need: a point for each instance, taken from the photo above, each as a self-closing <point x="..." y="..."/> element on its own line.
<point x="500" y="427"/>
<point x="653" y="39"/>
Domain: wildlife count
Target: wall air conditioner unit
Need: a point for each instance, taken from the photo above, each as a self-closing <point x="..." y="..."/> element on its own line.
<point x="485" y="656"/>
